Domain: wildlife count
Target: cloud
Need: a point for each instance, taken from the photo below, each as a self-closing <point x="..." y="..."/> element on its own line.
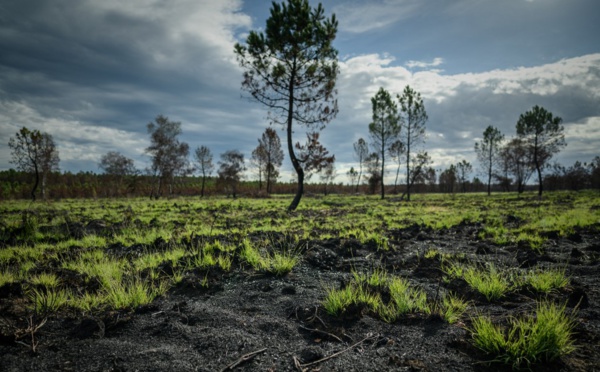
<point x="461" y="106"/>
<point x="358" y="17"/>
<point x="420" y="64"/>
<point x="100" y="70"/>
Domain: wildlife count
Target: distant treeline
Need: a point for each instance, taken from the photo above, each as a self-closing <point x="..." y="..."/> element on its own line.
<point x="17" y="185"/>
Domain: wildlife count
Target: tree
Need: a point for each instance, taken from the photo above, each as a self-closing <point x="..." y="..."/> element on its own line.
<point x="268" y="156"/>
<point x="515" y="160"/>
<point x="414" y="118"/>
<point x="258" y="160"/>
<point x="418" y="170"/>
<point x="169" y="156"/>
<point x="487" y="152"/>
<point x="595" y="172"/>
<point x="384" y="129"/>
<point x="117" y="165"/>
<point x="313" y="156"/>
<point x="230" y="171"/>
<point x="373" y="172"/>
<point x="430" y="177"/>
<point x="204" y="159"/>
<point x="448" y="179"/>
<point x="396" y="151"/>
<point x="544" y="137"/>
<point x="34" y="152"/>
<point x="328" y="174"/>
<point x="354" y="176"/>
<point x="463" y="170"/>
<point x="292" y="68"/>
<point x="361" y="150"/>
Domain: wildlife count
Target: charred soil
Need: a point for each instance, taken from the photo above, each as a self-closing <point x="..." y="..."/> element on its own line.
<point x="241" y="319"/>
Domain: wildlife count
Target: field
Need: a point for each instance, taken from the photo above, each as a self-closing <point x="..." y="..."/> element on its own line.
<point x="346" y="283"/>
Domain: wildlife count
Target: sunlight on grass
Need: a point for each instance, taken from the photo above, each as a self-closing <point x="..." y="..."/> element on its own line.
<point x="527" y="340"/>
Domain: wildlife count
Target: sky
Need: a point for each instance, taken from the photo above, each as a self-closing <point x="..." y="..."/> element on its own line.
<point x="94" y="73"/>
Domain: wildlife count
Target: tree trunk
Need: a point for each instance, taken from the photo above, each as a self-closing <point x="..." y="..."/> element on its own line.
<point x="396" y="180"/>
<point x="541" y="182"/>
<point x="202" y="189"/>
<point x="297" y="166"/>
<point x="382" y="171"/>
<point x="408" y="167"/>
<point x="37" y="181"/>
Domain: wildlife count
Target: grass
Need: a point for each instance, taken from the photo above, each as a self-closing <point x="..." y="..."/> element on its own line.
<point x="151" y="246"/>
<point x="490" y="282"/>
<point x="337" y="301"/>
<point x="545" y="281"/>
<point x="132" y="293"/>
<point x="526" y="340"/>
<point x="47" y="301"/>
<point x="277" y="263"/>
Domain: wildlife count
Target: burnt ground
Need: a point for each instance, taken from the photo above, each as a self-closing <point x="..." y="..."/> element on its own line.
<point x="249" y="321"/>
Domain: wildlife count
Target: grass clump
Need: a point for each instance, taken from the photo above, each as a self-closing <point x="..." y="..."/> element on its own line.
<point x="403" y="299"/>
<point x="490" y="282"/>
<point x="545" y="281"/>
<point x="46" y="280"/>
<point x="48" y="300"/>
<point x="450" y="309"/>
<point x="365" y="292"/>
<point x="278" y="263"/>
<point x="132" y="293"/>
<point x="544" y="337"/>
<point x="337" y="301"/>
<point x="7" y="277"/>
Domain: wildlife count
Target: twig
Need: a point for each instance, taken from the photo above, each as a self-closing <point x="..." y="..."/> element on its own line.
<point x="301" y="366"/>
<point x="243" y="358"/>
<point x="316" y="316"/>
<point x="322" y="332"/>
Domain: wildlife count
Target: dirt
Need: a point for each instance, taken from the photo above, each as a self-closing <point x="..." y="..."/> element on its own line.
<point x="250" y="321"/>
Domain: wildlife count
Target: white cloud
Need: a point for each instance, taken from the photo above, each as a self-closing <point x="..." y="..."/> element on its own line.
<point x="421" y="64"/>
<point x="360" y="17"/>
<point x="461" y="106"/>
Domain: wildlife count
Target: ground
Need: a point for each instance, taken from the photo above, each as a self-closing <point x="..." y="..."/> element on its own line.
<point x="252" y="321"/>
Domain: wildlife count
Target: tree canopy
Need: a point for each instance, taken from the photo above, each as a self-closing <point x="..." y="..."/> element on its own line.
<point x="34" y="152"/>
<point x="384" y="128"/>
<point x="544" y="137"/>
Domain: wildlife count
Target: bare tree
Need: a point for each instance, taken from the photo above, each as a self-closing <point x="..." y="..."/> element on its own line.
<point x="418" y="168"/>
<point x="373" y="175"/>
<point x="397" y="151"/>
<point x="204" y="159"/>
<point x="447" y="180"/>
<point x="258" y="160"/>
<point x="34" y="152"/>
<point x="230" y="171"/>
<point x="268" y="157"/>
<point x="328" y="174"/>
<point x="516" y="159"/>
<point x="169" y="155"/>
<point x="413" y="120"/>
<point x="312" y="155"/>
<point x="361" y="151"/>
<point x="384" y="129"/>
<point x="292" y="69"/>
<point x="354" y="177"/>
<point x="544" y="137"/>
<point x="463" y="171"/>
<point x="488" y="151"/>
